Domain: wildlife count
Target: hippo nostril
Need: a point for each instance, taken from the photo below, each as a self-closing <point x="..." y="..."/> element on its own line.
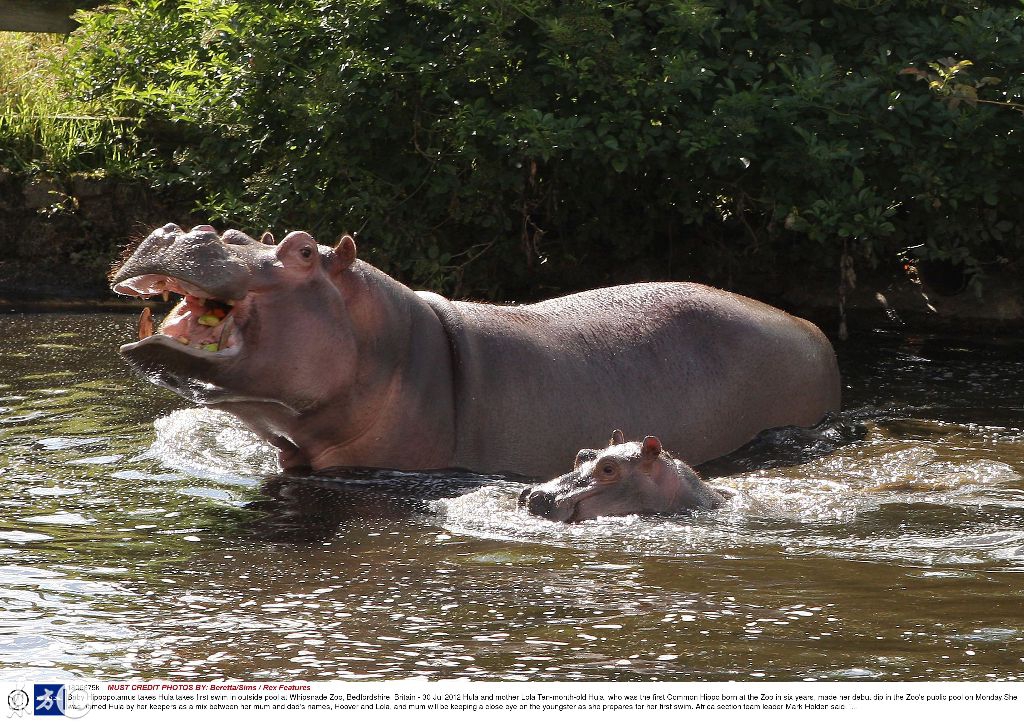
<point x="204" y="228"/>
<point x="540" y="503"/>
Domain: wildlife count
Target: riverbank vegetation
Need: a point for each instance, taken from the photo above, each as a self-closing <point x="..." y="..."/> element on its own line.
<point x="45" y="127"/>
<point x="513" y="148"/>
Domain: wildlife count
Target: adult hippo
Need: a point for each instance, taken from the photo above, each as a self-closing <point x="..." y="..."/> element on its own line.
<point x="337" y="364"/>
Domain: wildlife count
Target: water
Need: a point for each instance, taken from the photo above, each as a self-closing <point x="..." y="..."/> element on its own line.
<point x="144" y="539"/>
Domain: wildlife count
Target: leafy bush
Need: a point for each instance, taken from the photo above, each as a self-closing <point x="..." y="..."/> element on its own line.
<point x="509" y="147"/>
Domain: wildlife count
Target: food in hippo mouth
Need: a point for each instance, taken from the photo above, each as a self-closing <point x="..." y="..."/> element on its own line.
<point x="201" y="323"/>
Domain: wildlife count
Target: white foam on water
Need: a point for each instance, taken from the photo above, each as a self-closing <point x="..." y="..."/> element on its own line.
<point x="492" y="512"/>
<point x="835" y="505"/>
<point x="213" y="445"/>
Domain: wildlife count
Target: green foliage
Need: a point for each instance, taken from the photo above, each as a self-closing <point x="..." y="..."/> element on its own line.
<point x="42" y="127"/>
<point x="502" y="147"/>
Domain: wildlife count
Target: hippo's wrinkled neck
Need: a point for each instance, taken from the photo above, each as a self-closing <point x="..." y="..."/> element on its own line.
<point x="400" y="405"/>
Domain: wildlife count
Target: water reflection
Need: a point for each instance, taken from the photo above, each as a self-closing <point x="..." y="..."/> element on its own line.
<point x="887" y="544"/>
<point x="312" y="508"/>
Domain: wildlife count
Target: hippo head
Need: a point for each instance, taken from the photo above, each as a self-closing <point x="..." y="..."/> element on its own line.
<point x="242" y="335"/>
<point x="624" y="478"/>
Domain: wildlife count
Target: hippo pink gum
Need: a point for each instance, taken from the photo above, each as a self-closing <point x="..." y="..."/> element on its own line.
<point x="338" y="364"/>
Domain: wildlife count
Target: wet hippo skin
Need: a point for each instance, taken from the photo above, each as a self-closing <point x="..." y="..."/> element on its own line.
<point x="338" y="364"/>
<point x="634" y="477"/>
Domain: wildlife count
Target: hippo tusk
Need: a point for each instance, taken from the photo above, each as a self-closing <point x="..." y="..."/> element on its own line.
<point x="160" y="286"/>
<point x="145" y="324"/>
<point x="225" y="331"/>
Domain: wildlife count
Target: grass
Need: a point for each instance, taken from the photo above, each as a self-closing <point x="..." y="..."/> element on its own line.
<point x="25" y="66"/>
<point x="42" y="127"/>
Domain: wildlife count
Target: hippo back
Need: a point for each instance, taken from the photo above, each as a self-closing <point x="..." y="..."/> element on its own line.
<point x="706" y="368"/>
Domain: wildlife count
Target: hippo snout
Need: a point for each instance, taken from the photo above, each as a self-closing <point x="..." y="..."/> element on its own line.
<point x="537" y="502"/>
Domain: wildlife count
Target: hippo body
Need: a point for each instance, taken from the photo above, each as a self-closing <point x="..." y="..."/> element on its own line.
<point x="624" y="478"/>
<point x="338" y="364"/>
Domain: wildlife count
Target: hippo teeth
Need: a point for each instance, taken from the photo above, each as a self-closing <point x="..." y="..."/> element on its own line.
<point x="202" y="323"/>
<point x="145" y="324"/>
<point x="225" y="332"/>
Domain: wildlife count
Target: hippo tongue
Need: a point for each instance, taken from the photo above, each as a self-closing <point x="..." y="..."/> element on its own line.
<point x="201" y="323"/>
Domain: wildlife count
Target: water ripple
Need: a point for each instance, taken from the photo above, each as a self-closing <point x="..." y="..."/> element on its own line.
<point x="886" y="545"/>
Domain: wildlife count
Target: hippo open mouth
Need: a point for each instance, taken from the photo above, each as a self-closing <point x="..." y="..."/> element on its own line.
<point x="187" y="351"/>
<point x="199" y="322"/>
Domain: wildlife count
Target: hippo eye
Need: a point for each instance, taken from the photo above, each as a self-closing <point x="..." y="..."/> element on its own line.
<point x="306" y="252"/>
<point x="606" y="470"/>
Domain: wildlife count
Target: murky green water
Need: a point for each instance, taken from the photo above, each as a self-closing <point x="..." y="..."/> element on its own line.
<point x="172" y="551"/>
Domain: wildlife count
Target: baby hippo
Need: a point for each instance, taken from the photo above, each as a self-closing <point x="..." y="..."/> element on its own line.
<point x="625" y="478"/>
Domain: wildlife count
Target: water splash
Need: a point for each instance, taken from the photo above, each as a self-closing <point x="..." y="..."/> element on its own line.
<point x="211" y="444"/>
<point x="870" y="499"/>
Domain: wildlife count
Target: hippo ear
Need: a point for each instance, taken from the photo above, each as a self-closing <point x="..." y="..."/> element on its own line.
<point x="346" y="251"/>
<point x="617" y="438"/>
<point x="297" y="249"/>
<point x="651" y="448"/>
<point x="267" y="239"/>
